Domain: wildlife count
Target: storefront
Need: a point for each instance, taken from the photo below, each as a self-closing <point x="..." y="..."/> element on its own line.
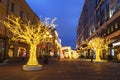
<point x="116" y="50"/>
<point x="18" y="49"/>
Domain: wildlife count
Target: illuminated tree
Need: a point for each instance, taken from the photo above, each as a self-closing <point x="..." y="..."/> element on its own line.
<point x="32" y="34"/>
<point x="97" y="44"/>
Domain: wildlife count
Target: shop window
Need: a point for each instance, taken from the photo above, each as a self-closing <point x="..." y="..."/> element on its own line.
<point x="21" y="52"/>
<point x="108" y="31"/>
<point x="116" y="25"/>
<point x="90" y="32"/>
<point x="10" y="51"/>
<point x="113" y="52"/>
<point x="112" y="28"/>
<point x="119" y="25"/>
<point x="104" y="32"/>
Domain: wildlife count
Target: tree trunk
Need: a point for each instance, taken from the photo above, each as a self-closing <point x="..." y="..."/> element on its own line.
<point x="32" y="55"/>
<point x="97" y="52"/>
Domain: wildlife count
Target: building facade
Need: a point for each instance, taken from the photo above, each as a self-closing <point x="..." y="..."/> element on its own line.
<point x="51" y="45"/>
<point x="100" y="18"/>
<point x="19" y="9"/>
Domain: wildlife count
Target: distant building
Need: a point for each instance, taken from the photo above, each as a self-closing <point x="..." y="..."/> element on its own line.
<point x="99" y="18"/>
<point x="67" y="51"/>
<point x="51" y="44"/>
<point x="57" y="43"/>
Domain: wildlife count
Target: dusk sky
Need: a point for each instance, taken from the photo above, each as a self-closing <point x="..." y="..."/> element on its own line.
<point x="67" y="13"/>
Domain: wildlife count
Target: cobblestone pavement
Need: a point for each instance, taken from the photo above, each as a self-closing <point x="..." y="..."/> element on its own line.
<point x="63" y="70"/>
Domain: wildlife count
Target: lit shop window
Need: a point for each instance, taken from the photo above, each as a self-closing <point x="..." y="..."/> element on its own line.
<point x="113" y="52"/>
<point x="10" y="51"/>
<point x="116" y="25"/>
<point x="104" y="34"/>
<point x="112" y="28"/>
<point x="108" y="31"/>
<point x="90" y="32"/>
<point x="21" y="52"/>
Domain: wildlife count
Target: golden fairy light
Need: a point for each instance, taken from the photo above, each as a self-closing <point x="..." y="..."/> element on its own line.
<point x="96" y="44"/>
<point x="28" y="33"/>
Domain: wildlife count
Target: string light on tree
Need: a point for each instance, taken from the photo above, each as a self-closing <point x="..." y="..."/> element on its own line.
<point x="29" y="33"/>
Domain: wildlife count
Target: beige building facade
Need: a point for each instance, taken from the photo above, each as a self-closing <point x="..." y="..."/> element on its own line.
<point x="18" y="8"/>
<point x="100" y="18"/>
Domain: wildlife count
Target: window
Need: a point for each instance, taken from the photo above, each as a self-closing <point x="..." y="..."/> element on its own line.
<point x="12" y="7"/>
<point x="21" y="14"/>
<point x="112" y="11"/>
<point x="90" y="32"/>
<point x="119" y="25"/>
<point x="112" y="28"/>
<point x="102" y="13"/>
<point x="107" y="9"/>
<point x="107" y="12"/>
<point x="21" y="52"/>
<point x="107" y="2"/>
<point x="108" y="31"/>
<point x="118" y="3"/>
<point x="104" y="34"/>
<point x="102" y="6"/>
<point x="98" y="1"/>
<point x="116" y="25"/>
<point x="98" y="17"/>
<point x="98" y="12"/>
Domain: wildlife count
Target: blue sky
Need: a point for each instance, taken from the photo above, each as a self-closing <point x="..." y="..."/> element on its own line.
<point x="67" y="13"/>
